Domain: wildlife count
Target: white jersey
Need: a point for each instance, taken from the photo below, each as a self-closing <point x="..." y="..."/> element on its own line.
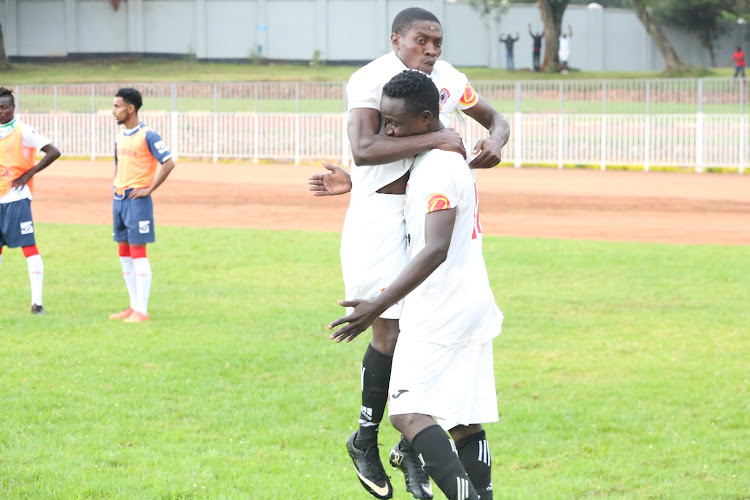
<point x="30" y="139"/>
<point x="365" y="89"/>
<point x="455" y="304"/>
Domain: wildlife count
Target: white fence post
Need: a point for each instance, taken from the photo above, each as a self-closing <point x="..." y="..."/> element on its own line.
<point x="93" y="123"/>
<point x="699" y="130"/>
<point x="517" y="134"/>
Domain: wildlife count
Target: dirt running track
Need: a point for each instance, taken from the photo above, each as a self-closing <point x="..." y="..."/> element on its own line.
<point x="681" y="208"/>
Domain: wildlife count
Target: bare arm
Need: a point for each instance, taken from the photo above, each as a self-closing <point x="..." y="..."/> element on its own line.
<point x="164" y="171"/>
<point x="51" y="153"/>
<point x="336" y="181"/>
<point x="438" y="233"/>
<point x="371" y="148"/>
<point x="499" y="130"/>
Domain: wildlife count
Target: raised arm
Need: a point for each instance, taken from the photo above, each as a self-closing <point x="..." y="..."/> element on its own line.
<point x="438" y="233"/>
<point x="369" y="147"/>
<point x="489" y="150"/>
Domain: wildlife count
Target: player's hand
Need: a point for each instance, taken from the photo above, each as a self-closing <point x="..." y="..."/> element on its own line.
<point x="139" y="193"/>
<point x="21" y="181"/>
<point x="449" y="140"/>
<point x="488" y="153"/>
<point x="336" y="181"/>
<point x="365" y="313"/>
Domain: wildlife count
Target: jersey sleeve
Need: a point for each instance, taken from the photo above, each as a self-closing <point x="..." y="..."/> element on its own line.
<point x="440" y="189"/>
<point x="363" y="91"/>
<point x="157" y="147"/>
<point x="33" y="139"/>
<point x="469" y="98"/>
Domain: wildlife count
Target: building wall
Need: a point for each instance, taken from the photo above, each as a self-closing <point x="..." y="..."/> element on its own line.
<point x="339" y="30"/>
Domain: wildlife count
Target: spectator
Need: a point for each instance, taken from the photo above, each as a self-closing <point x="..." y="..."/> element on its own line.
<point x="509" y="41"/>
<point x="739" y="61"/>
<point x="537" y="47"/>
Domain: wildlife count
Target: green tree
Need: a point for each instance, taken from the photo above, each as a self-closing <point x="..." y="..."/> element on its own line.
<point x="653" y="28"/>
<point x="3" y="55"/>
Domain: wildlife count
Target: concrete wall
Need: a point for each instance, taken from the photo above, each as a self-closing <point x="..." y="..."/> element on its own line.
<point x="341" y="30"/>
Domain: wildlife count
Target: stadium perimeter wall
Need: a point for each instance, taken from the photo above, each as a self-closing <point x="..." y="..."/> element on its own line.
<point x="335" y="30"/>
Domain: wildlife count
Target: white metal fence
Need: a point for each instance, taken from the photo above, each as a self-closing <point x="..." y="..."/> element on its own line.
<point x="695" y="141"/>
<point x="690" y="123"/>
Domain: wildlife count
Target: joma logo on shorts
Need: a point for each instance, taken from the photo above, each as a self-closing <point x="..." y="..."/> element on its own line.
<point x="144" y="226"/>
<point x="27" y="227"/>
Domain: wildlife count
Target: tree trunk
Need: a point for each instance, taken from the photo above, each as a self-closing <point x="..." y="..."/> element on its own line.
<point x="671" y="59"/>
<point x="552" y="12"/>
<point x="3" y="56"/>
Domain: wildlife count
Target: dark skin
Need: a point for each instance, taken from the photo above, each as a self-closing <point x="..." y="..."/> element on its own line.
<point x="438" y="233"/>
<point x="51" y="153"/>
<point x="126" y="114"/>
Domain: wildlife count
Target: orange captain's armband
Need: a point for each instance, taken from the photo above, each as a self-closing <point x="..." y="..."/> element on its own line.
<point x="470" y="97"/>
<point x="437" y="202"/>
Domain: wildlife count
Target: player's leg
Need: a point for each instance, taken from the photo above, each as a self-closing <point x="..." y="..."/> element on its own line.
<point x="36" y="276"/>
<point x="474" y="453"/>
<point x="120" y="208"/>
<point x="18" y="231"/>
<point x="140" y="223"/>
<point x="438" y="454"/>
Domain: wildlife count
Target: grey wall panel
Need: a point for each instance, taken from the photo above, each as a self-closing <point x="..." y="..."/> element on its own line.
<point x="356" y="32"/>
<point x="289" y="33"/>
<point x="41" y="30"/>
<point x="232" y="28"/>
<point x="100" y="28"/>
<point x="168" y="27"/>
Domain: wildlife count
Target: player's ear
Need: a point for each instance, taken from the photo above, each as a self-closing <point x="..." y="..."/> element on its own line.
<point x="395" y="39"/>
<point x="426" y="115"/>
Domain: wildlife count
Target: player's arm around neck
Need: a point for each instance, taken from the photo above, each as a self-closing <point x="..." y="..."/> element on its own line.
<point x="438" y="234"/>
<point x="371" y="148"/>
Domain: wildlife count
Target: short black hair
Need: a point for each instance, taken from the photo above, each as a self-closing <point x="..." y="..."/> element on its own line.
<point x="131" y="96"/>
<point x="404" y="19"/>
<point x="416" y="89"/>
<point x="7" y="93"/>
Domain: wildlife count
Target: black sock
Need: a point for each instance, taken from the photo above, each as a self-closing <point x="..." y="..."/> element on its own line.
<point x="376" y="375"/>
<point x="442" y="464"/>
<point x="474" y="453"/>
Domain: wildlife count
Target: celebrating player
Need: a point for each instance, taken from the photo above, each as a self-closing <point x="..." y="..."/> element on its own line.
<point x="138" y="150"/>
<point x="442" y="365"/>
<point x="18" y="146"/>
<point x="373" y="240"/>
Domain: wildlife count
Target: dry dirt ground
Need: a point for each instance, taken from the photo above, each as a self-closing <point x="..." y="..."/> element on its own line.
<point x="682" y="208"/>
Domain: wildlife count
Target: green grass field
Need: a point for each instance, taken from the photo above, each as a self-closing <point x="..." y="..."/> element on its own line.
<point x="622" y="371"/>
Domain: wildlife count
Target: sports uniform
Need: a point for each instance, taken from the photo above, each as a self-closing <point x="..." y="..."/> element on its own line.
<point x="137" y="154"/>
<point x="373" y="243"/>
<point x="442" y="365"/>
<point x="18" y="146"/>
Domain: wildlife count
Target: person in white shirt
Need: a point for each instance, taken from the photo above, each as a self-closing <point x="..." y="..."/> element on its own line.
<point x="19" y="144"/>
<point x="442" y="365"/>
<point x="563" y="51"/>
<point x="373" y="240"/>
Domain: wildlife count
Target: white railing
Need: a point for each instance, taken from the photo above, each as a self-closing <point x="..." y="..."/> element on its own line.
<point x="696" y="141"/>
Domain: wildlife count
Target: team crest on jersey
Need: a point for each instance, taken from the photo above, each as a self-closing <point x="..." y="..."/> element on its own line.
<point x="470" y="97"/>
<point x="437" y="202"/>
<point x="444" y="96"/>
<point x="27" y="227"/>
<point x="144" y="226"/>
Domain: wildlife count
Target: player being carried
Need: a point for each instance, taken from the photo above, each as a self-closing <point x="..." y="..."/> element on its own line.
<point x="18" y="146"/>
<point x="138" y="151"/>
<point x="442" y="365"/>
<point x="373" y="240"/>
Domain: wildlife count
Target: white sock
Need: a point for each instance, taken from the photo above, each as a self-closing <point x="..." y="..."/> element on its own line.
<point x="36" y="276"/>
<point x="128" y="272"/>
<point x="142" y="284"/>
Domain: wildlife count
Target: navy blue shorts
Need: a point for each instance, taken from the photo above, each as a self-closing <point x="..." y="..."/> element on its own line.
<point x="133" y="220"/>
<point x="16" y="224"/>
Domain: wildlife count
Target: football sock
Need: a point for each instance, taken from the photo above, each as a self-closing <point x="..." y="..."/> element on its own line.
<point x="441" y="463"/>
<point x="128" y="272"/>
<point x="1" y="255"/>
<point x="36" y="272"/>
<point x="142" y="278"/>
<point x="474" y="453"/>
<point x="376" y="375"/>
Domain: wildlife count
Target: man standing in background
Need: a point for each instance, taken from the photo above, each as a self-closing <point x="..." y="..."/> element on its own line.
<point x="509" y="41"/>
<point x="537" y="51"/>
<point x="739" y="62"/>
<point x="138" y="151"/>
<point x="18" y="146"/>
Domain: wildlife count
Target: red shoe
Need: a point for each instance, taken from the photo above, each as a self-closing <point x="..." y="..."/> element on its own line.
<point x="136" y="317"/>
<point x="122" y="315"/>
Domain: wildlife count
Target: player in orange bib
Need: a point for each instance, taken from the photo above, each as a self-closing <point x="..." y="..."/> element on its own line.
<point x="18" y="146"/>
<point x="138" y="153"/>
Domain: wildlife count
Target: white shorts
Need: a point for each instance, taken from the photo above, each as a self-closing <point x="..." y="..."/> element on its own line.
<point x="456" y="385"/>
<point x="373" y="247"/>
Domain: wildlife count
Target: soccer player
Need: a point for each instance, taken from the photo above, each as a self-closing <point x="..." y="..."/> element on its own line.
<point x="442" y="365"/>
<point x="138" y="151"/>
<point x="18" y="146"/>
<point x="373" y="240"/>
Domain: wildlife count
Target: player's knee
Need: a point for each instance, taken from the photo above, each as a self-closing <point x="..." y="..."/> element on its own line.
<point x="399" y="422"/>
<point x="384" y="335"/>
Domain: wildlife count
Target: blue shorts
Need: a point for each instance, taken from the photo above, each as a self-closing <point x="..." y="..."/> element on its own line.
<point x="16" y="224"/>
<point x="133" y="220"/>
